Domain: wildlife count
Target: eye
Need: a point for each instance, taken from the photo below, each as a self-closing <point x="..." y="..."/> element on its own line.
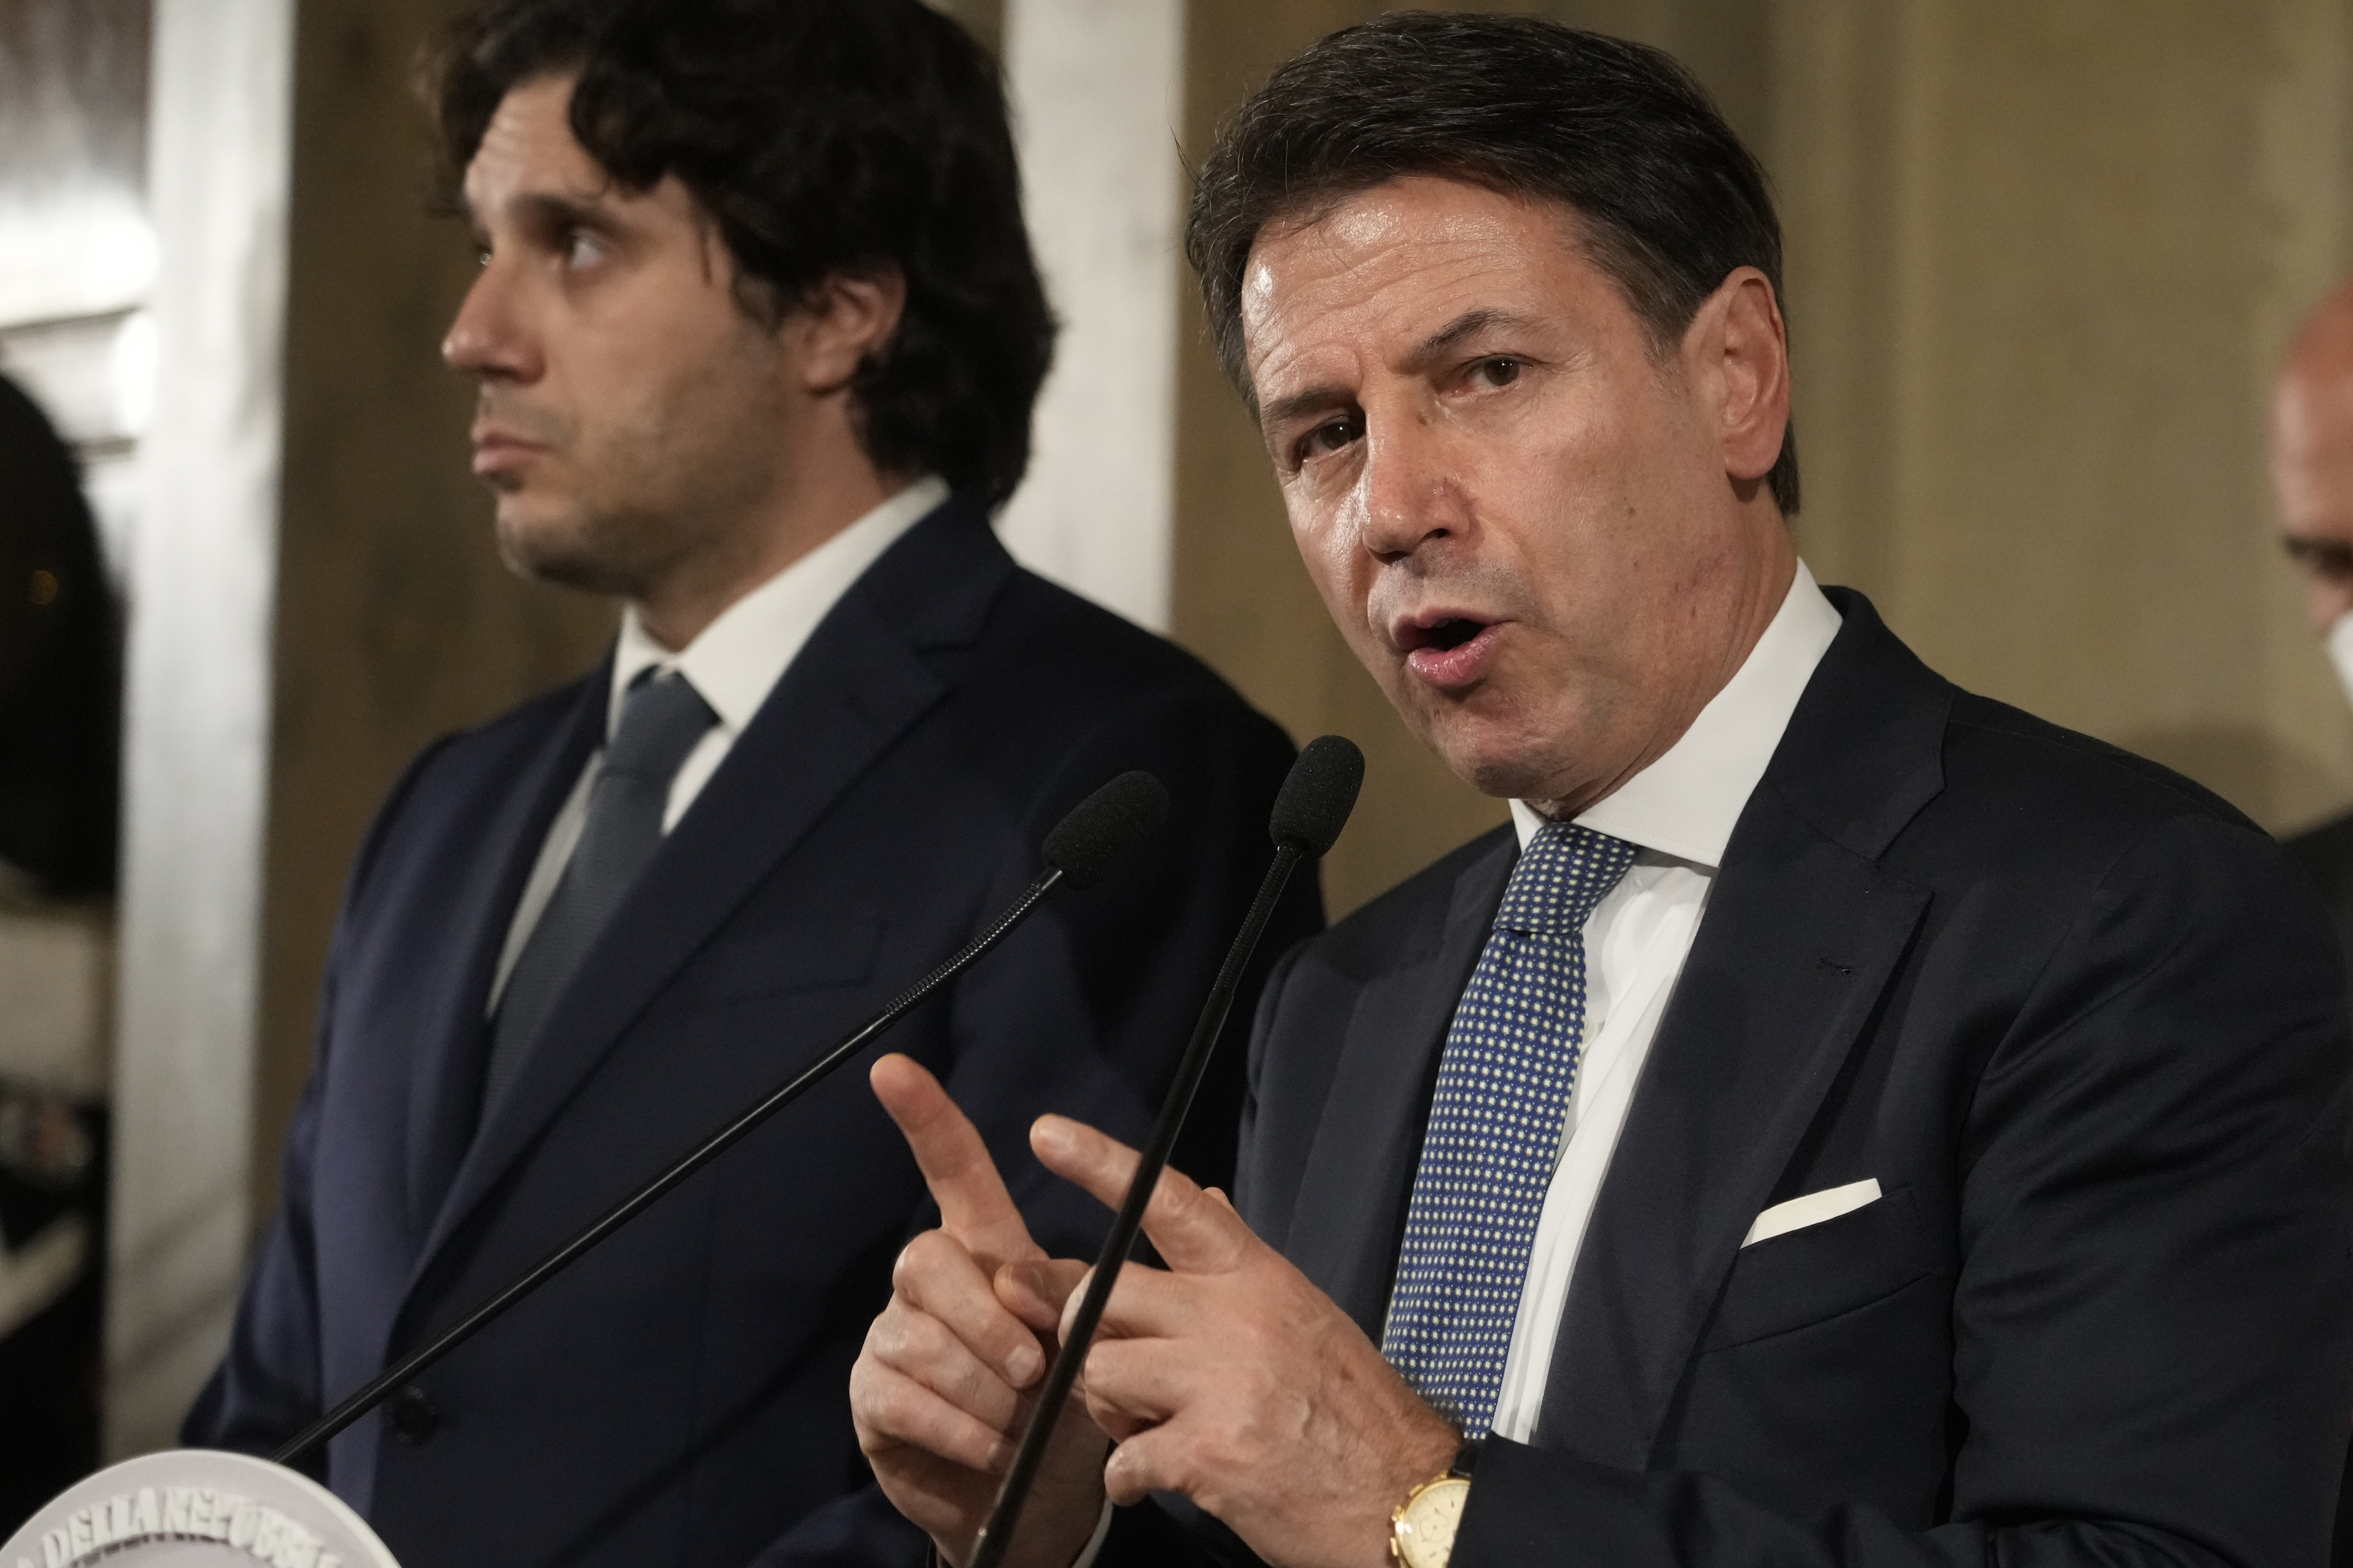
<point x="1496" y="372"/>
<point x="579" y="247"/>
<point x="1328" y="438"/>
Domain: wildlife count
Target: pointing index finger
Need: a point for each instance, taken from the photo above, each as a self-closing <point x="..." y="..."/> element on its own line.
<point x="975" y="1207"/>
<point x="1194" y="1232"/>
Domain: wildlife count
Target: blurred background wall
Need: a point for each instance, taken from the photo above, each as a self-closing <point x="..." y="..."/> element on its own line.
<point x="2044" y="255"/>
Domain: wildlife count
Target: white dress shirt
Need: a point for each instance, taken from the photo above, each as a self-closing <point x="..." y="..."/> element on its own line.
<point x="733" y="664"/>
<point x="1680" y="812"/>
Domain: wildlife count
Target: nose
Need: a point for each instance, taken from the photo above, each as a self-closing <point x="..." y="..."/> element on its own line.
<point x="1412" y="496"/>
<point x="489" y="339"/>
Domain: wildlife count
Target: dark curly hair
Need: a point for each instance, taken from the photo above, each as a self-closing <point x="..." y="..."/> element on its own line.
<point x="1670" y="201"/>
<point x="823" y="139"/>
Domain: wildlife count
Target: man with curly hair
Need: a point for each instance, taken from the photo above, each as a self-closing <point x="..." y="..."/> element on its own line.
<point x="757" y="333"/>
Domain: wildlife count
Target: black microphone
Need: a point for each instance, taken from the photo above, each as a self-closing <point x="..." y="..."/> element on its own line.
<point x="1082" y="847"/>
<point x="1309" y="812"/>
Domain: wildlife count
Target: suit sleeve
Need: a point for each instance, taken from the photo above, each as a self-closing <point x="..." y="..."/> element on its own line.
<point x="1086" y="1010"/>
<point x="267" y="1386"/>
<point x="2151" y="1356"/>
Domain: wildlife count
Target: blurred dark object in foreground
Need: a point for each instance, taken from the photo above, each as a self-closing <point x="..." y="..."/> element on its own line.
<point x="60" y="682"/>
<point x="60" y="665"/>
<point x="2325" y="853"/>
<point x="52" y="1239"/>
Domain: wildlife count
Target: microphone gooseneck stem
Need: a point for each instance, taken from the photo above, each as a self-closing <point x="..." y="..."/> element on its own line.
<point x="310" y="1438"/>
<point x="997" y="1536"/>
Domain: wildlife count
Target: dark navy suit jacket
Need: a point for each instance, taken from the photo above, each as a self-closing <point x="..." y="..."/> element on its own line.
<point x="2080" y="1021"/>
<point x="2325" y="854"/>
<point x="680" y="1398"/>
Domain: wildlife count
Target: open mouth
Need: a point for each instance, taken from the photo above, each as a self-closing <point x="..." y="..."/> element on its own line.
<point x="1448" y="652"/>
<point x="1444" y="635"/>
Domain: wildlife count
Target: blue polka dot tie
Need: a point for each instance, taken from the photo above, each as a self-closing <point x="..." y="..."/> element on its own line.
<point x="1495" y="1127"/>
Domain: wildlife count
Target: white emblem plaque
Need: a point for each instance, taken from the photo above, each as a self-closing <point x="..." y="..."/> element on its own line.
<point x="192" y="1507"/>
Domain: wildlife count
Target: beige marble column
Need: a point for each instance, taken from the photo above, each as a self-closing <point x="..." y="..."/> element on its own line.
<point x="201" y="575"/>
<point x="1095" y="92"/>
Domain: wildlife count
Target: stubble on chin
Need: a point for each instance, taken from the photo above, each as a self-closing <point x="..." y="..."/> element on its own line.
<point x="570" y="548"/>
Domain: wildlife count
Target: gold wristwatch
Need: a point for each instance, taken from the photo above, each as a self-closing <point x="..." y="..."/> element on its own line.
<point x="1421" y="1530"/>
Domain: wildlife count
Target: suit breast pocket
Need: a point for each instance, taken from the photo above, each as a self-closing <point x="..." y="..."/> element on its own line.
<point x="742" y="965"/>
<point x="1819" y="1272"/>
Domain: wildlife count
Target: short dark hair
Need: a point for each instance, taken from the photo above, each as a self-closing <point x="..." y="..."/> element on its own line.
<point x="1670" y="201"/>
<point x="824" y="139"/>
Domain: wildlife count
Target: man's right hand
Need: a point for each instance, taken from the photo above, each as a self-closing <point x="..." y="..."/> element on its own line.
<point x="942" y="1390"/>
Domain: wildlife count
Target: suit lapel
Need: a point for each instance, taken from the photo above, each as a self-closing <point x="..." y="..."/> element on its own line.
<point x="1350" y="1210"/>
<point x="1802" y="936"/>
<point x="857" y="684"/>
<point x="444" y="1094"/>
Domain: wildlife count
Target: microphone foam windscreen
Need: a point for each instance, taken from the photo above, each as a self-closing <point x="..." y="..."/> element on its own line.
<point x="1106" y="825"/>
<point x="1318" y="795"/>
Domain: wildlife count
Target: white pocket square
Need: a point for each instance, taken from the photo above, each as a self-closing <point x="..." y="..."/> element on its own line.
<point x="1811" y="1209"/>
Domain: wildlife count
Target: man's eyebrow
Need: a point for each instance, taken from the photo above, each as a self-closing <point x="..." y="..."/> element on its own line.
<point x="550" y="210"/>
<point x="1291" y="405"/>
<point x="1468" y="324"/>
<point x="2325" y="554"/>
<point x="543" y="210"/>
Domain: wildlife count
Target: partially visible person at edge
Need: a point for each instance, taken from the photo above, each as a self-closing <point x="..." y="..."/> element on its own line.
<point x="1840" y="1122"/>
<point x="757" y="334"/>
<point x="2312" y="475"/>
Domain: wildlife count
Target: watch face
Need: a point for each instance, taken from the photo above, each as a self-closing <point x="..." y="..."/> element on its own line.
<point x="1425" y="1529"/>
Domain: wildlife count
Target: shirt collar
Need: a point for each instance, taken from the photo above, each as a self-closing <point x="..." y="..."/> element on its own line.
<point x="739" y="658"/>
<point x="1685" y="805"/>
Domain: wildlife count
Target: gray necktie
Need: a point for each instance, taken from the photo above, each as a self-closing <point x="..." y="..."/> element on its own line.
<point x="661" y="719"/>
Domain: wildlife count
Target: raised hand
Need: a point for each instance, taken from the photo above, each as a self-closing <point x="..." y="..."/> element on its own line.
<point x="939" y="1393"/>
<point x="1233" y="1379"/>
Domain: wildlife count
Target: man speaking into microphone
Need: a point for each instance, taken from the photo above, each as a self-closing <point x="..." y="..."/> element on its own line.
<point x="757" y="334"/>
<point x="1841" y="1122"/>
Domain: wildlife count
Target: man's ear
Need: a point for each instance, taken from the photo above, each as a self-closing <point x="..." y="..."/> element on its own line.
<point x="1738" y="346"/>
<point x="842" y="321"/>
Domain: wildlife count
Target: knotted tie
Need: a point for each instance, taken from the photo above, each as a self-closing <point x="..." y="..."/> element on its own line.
<point x="661" y="719"/>
<point x="1495" y="1127"/>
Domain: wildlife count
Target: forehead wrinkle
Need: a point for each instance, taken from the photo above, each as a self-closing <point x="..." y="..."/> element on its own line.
<point x="1355" y="254"/>
<point x="536" y="177"/>
<point x="529" y="139"/>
